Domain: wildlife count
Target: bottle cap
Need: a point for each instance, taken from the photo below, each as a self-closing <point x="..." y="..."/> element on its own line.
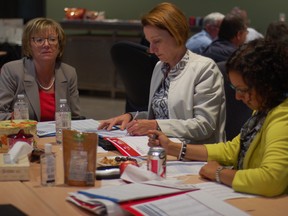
<point x="20" y="96"/>
<point x="63" y="100"/>
<point x="48" y="148"/>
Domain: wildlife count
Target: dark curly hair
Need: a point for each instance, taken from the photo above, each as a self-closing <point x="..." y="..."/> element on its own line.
<point x="263" y="66"/>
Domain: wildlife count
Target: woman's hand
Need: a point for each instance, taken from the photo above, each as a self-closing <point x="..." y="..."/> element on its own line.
<point x="157" y="138"/>
<point x="208" y="171"/>
<point x="121" y="120"/>
<point x="141" y="127"/>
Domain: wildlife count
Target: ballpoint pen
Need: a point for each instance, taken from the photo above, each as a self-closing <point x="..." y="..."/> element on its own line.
<point x="134" y="118"/>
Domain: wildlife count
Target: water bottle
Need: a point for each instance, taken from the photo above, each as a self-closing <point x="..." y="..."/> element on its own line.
<point x="63" y="119"/>
<point x="48" y="166"/>
<point x="21" y="108"/>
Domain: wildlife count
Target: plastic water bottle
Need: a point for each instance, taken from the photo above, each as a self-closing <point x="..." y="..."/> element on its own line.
<point x="63" y="119"/>
<point x="21" y="108"/>
<point x="48" y="166"/>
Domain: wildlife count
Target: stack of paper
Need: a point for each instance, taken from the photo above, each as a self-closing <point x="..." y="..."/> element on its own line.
<point x="158" y="199"/>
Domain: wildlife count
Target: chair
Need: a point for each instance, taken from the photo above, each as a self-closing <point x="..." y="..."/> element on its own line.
<point x="135" y="66"/>
<point x="237" y="113"/>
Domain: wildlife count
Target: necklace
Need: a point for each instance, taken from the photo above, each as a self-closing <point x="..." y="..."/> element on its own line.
<point x="49" y="87"/>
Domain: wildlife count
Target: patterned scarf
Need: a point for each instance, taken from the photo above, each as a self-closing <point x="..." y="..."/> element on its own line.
<point x="247" y="134"/>
<point x="160" y="98"/>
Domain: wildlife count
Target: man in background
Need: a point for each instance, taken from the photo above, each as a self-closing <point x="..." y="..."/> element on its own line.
<point x="211" y="23"/>
<point x="232" y="34"/>
<point x="252" y="33"/>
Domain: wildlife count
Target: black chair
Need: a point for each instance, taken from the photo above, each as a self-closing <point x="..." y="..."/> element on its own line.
<point x="237" y="113"/>
<point x="135" y="66"/>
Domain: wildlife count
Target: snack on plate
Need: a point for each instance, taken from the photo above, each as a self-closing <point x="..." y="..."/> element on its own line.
<point x="115" y="161"/>
<point x="8" y="127"/>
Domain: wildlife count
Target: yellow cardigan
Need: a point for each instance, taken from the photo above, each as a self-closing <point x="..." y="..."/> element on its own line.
<point x="265" y="166"/>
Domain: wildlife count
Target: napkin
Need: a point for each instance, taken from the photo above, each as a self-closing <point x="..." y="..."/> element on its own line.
<point x="138" y="174"/>
<point x="20" y="149"/>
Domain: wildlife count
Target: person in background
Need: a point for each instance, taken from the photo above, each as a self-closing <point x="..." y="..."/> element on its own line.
<point x="258" y="71"/>
<point x="232" y="34"/>
<point x="252" y="33"/>
<point x="187" y="97"/>
<point x="277" y="31"/>
<point x="211" y="23"/>
<point x="40" y="74"/>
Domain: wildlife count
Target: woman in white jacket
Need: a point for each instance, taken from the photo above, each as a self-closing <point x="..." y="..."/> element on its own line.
<point x="187" y="97"/>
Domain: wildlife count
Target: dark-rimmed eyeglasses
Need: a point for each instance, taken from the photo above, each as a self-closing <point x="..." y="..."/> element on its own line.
<point x="241" y="91"/>
<point x="39" y="41"/>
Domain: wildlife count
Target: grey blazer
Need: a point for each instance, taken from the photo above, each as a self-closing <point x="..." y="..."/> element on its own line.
<point x="18" y="77"/>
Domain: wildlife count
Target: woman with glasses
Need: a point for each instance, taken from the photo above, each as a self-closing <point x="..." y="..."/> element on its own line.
<point x="40" y="74"/>
<point x="258" y="71"/>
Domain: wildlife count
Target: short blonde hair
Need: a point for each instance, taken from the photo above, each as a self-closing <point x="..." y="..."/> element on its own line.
<point x="39" y="25"/>
<point x="168" y="17"/>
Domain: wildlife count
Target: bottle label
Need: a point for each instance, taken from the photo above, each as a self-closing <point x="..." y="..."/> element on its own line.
<point x="21" y="113"/>
<point x="78" y="165"/>
<point x="63" y="120"/>
<point x="48" y="169"/>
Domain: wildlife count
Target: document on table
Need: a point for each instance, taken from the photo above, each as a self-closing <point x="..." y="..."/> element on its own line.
<point x="129" y="192"/>
<point x="221" y="191"/>
<point x="131" y="145"/>
<point x="180" y="168"/>
<point x="87" y="125"/>
<point x="191" y="203"/>
<point x="126" y="144"/>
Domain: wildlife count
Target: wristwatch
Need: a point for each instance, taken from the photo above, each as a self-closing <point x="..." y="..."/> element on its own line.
<point x="217" y="174"/>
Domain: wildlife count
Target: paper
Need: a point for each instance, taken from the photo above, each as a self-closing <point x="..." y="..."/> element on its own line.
<point x="87" y="125"/>
<point x="138" y="174"/>
<point x="129" y="192"/>
<point x="97" y="206"/>
<point x="20" y="149"/>
<point x="192" y="203"/>
<point x="221" y="191"/>
<point x="131" y="145"/>
<point x="180" y="168"/>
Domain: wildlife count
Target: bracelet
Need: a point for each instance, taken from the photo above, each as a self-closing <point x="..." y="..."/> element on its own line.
<point x="217" y="174"/>
<point x="183" y="151"/>
<point x="158" y="128"/>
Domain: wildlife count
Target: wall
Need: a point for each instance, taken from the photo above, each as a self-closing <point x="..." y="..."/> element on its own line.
<point x="260" y="12"/>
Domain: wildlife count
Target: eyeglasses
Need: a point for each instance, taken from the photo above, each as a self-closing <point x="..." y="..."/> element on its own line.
<point x="39" y="41"/>
<point x="239" y="90"/>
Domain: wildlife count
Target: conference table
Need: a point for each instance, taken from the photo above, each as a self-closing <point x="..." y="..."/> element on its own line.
<point x="34" y="199"/>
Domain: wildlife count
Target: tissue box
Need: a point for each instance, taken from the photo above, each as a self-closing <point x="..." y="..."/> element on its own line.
<point x="14" y="172"/>
<point x="12" y="127"/>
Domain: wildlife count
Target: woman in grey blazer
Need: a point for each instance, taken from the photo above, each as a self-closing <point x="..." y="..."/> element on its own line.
<point x="40" y="74"/>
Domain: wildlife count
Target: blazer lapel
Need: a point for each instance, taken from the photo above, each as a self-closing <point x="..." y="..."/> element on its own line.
<point x="60" y="85"/>
<point x="31" y="87"/>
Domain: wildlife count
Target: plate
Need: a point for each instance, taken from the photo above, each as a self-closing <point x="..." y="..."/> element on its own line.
<point x="113" y="160"/>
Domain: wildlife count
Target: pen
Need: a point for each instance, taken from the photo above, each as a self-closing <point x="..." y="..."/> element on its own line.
<point x="135" y="116"/>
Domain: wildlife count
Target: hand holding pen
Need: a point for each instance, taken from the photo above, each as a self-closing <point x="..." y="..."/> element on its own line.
<point x="134" y="118"/>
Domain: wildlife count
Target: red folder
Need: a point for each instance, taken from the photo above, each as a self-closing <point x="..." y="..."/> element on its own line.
<point x="123" y="147"/>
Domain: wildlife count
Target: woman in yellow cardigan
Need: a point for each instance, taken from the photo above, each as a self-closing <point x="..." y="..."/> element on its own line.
<point x="258" y="71"/>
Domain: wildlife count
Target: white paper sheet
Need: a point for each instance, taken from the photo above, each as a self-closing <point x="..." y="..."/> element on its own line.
<point x="87" y="125"/>
<point x="180" y="168"/>
<point x="128" y="192"/>
<point x="192" y="203"/>
<point x="221" y="191"/>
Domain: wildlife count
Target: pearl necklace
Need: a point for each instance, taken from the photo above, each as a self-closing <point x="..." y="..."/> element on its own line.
<point x="49" y="87"/>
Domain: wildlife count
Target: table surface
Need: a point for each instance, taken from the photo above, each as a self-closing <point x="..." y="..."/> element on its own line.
<point x="32" y="198"/>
